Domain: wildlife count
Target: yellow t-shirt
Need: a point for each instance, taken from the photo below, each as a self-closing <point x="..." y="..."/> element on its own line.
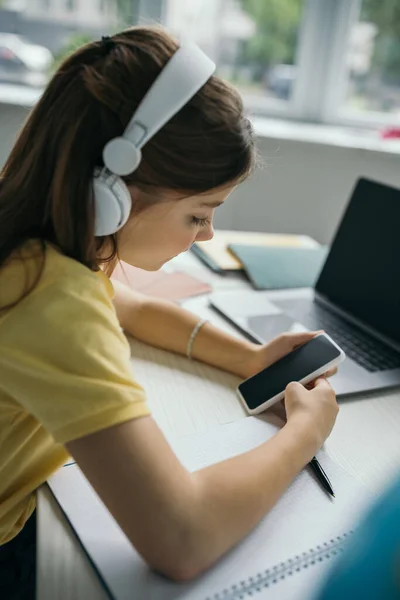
<point x="65" y="372"/>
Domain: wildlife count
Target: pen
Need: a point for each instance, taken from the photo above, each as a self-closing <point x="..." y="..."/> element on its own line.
<point x="321" y="476"/>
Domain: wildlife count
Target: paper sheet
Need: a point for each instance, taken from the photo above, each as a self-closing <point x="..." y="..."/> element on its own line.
<point x="304" y="518"/>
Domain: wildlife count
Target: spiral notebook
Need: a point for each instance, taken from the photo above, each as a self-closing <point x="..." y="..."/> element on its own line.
<point x="285" y="557"/>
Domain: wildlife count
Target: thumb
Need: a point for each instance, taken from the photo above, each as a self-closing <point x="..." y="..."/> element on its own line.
<point x="293" y="387"/>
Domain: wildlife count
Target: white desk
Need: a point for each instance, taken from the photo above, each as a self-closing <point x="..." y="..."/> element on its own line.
<point x="188" y="396"/>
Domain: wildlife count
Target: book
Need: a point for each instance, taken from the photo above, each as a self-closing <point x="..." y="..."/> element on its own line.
<point x="280" y="268"/>
<point x="285" y="556"/>
<point x="217" y="256"/>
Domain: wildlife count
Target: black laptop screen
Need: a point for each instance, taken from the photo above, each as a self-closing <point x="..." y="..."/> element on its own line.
<point x="362" y="271"/>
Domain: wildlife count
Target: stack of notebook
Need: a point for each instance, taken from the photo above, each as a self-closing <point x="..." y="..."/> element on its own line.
<point x="271" y="261"/>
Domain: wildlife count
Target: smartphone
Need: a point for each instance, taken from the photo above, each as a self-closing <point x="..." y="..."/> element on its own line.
<point x="304" y="364"/>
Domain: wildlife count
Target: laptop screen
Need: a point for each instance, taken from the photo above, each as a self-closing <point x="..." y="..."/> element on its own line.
<point x="362" y="271"/>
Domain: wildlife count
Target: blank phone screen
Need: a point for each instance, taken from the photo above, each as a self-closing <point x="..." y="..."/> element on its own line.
<point x="293" y="367"/>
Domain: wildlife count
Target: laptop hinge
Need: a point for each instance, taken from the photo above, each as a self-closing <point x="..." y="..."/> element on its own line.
<point x="347" y="316"/>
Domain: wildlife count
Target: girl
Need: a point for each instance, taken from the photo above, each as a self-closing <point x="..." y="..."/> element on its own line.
<point x="66" y="386"/>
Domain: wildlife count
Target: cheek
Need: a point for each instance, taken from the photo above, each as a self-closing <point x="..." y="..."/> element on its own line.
<point x="161" y="238"/>
<point x="180" y="242"/>
<point x="178" y="233"/>
<point x="189" y="235"/>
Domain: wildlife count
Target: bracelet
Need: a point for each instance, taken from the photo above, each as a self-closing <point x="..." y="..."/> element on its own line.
<point x="193" y="337"/>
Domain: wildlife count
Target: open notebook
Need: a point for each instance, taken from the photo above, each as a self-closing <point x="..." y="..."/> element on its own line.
<point x="285" y="557"/>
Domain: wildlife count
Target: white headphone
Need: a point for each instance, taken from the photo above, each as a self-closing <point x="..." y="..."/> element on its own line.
<point x="184" y="74"/>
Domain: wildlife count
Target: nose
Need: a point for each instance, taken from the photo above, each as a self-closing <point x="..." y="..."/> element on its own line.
<point x="205" y="234"/>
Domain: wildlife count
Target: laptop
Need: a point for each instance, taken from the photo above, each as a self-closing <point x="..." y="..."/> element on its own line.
<point x="356" y="299"/>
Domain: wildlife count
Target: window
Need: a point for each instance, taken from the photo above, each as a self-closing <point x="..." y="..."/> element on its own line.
<point x="332" y="61"/>
<point x="373" y="60"/>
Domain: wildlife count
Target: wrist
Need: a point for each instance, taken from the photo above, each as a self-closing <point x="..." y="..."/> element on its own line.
<point x="193" y="335"/>
<point x="243" y="358"/>
<point x="302" y="439"/>
<point x="230" y="353"/>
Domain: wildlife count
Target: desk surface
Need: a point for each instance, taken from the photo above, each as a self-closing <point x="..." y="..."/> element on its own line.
<point x="195" y="397"/>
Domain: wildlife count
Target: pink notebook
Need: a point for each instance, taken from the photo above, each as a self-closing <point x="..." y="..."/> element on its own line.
<point x="170" y="286"/>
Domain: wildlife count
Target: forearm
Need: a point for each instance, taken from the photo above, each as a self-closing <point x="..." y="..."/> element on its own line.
<point x="237" y="493"/>
<point x="182" y="522"/>
<point x="166" y="325"/>
<point x="189" y="521"/>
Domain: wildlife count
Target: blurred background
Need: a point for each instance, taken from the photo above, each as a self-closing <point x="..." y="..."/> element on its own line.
<point x="320" y="79"/>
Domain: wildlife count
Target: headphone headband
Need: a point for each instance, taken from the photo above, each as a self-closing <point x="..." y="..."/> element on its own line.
<point x="183" y="75"/>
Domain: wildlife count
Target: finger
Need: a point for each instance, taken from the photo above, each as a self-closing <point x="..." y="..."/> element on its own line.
<point x="310" y="386"/>
<point x="322" y="382"/>
<point x="331" y="373"/>
<point x="297" y="339"/>
<point x="304" y="335"/>
<point x="293" y="387"/>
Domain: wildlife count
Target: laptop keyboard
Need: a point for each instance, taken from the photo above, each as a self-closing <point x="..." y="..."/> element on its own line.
<point x="368" y="352"/>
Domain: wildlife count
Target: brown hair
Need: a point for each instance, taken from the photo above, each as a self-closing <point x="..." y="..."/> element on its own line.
<point x="45" y="187"/>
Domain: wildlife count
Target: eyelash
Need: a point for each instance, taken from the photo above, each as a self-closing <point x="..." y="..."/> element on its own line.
<point x="200" y="222"/>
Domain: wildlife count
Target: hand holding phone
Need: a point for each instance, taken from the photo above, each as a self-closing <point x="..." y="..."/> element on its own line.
<point x="304" y="364"/>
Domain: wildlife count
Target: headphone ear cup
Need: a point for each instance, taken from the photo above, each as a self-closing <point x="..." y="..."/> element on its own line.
<point x="112" y="203"/>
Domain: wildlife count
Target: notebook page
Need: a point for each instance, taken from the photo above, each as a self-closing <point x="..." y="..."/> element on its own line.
<point x="304" y="518"/>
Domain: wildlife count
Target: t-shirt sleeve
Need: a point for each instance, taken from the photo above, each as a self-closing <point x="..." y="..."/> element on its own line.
<point x="65" y="360"/>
